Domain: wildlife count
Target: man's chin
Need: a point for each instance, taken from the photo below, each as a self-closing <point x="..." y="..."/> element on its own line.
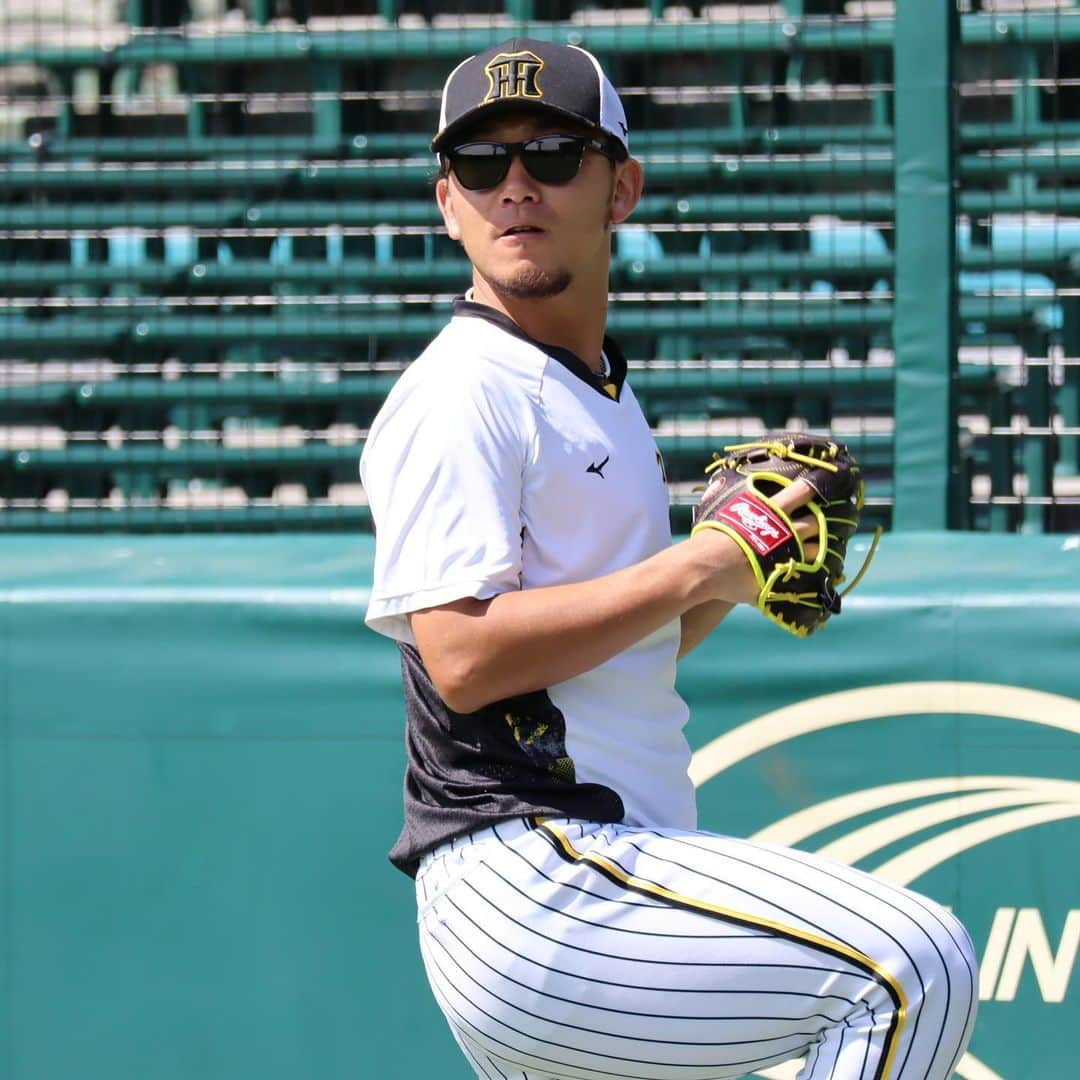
<point x="534" y="284"/>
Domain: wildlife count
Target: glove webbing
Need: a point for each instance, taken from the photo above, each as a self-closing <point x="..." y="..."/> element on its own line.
<point x="866" y="562"/>
<point x="778" y="449"/>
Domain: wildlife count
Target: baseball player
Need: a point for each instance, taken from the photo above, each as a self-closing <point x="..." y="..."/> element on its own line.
<point x="573" y="920"/>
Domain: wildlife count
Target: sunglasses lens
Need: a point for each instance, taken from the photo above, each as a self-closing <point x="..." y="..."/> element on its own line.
<point x="480" y="165"/>
<point x="553" y="159"/>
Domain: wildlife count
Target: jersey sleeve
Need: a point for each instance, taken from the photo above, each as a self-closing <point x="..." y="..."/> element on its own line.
<point x="442" y="470"/>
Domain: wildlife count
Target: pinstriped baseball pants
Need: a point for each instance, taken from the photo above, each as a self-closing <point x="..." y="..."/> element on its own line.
<point x="568" y="949"/>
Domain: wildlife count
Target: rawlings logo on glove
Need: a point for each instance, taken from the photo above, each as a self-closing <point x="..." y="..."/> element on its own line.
<point x="753" y="520"/>
<point x="797" y="591"/>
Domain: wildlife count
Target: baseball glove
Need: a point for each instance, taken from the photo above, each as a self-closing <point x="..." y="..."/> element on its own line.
<point x="795" y="591"/>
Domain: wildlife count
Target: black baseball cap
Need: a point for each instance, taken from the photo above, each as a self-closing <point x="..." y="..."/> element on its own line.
<point x="526" y="73"/>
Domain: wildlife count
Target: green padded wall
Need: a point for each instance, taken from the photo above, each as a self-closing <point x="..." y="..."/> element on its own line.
<point x="201" y="764"/>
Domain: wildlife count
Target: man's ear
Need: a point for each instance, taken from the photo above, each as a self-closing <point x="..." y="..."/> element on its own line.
<point x="629" y="183"/>
<point x="445" y="198"/>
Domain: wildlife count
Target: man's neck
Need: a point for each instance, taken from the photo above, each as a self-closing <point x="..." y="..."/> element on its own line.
<point x="566" y="320"/>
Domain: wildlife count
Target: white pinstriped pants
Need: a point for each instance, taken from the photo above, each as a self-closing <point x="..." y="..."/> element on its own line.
<point x="571" y="949"/>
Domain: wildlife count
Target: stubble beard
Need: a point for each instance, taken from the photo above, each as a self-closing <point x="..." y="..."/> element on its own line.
<point x="532" y="283"/>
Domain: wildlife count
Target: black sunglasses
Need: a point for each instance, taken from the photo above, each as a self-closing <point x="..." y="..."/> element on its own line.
<point x="551" y="159"/>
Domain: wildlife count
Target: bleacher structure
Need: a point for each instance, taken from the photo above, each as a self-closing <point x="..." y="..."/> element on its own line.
<point x="219" y="245"/>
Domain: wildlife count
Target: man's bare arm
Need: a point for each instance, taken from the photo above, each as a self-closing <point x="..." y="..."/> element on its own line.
<point x="699" y="622"/>
<point x="480" y="651"/>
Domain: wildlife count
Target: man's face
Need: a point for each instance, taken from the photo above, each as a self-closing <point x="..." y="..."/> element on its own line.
<point x="531" y="240"/>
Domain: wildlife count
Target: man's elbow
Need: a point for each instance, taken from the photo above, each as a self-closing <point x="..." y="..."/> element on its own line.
<point x="460" y="689"/>
<point x="454" y="655"/>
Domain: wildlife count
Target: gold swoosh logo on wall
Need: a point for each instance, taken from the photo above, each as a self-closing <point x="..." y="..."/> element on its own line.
<point x="1042" y="799"/>
<point x="1008" y="803"/>
<point x="876" y="703"/>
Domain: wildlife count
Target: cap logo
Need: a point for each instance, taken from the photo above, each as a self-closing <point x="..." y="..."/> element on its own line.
<point x="513" y="75"/>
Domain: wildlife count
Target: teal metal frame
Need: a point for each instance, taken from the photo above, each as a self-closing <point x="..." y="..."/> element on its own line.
<point x="926" y="481"/>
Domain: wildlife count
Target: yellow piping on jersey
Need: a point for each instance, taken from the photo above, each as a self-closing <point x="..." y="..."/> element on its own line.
<point x="613" y="872"/>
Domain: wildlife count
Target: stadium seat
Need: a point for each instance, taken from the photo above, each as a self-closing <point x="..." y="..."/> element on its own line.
<point x="221" y="224"/>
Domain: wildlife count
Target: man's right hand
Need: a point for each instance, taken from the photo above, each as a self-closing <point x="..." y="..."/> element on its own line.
<point x="735" y="580"/>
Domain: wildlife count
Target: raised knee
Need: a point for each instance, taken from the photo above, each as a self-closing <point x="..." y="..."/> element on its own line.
<point x="943" y="960"/>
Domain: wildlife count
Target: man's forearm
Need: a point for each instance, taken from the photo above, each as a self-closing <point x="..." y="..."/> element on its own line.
<point x="479" y="651"/>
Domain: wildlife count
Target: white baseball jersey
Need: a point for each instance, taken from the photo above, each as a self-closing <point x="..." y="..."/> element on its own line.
<point x="498" y="463"/>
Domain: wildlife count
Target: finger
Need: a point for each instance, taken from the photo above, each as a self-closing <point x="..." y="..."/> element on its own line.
<point x="806" y="527"/>
<point x="808" y="530"/>
<point x="797" y="494"/>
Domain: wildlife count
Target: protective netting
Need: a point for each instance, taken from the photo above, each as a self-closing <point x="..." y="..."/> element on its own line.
<point x="1018" y="257"/>
<point x="219" y="245"/>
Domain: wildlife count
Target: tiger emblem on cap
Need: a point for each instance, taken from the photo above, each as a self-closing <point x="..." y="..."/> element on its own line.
<point x="513" y="75"/>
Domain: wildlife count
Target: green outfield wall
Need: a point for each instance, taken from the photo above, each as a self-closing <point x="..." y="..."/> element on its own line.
<point x="201" y="769"/>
